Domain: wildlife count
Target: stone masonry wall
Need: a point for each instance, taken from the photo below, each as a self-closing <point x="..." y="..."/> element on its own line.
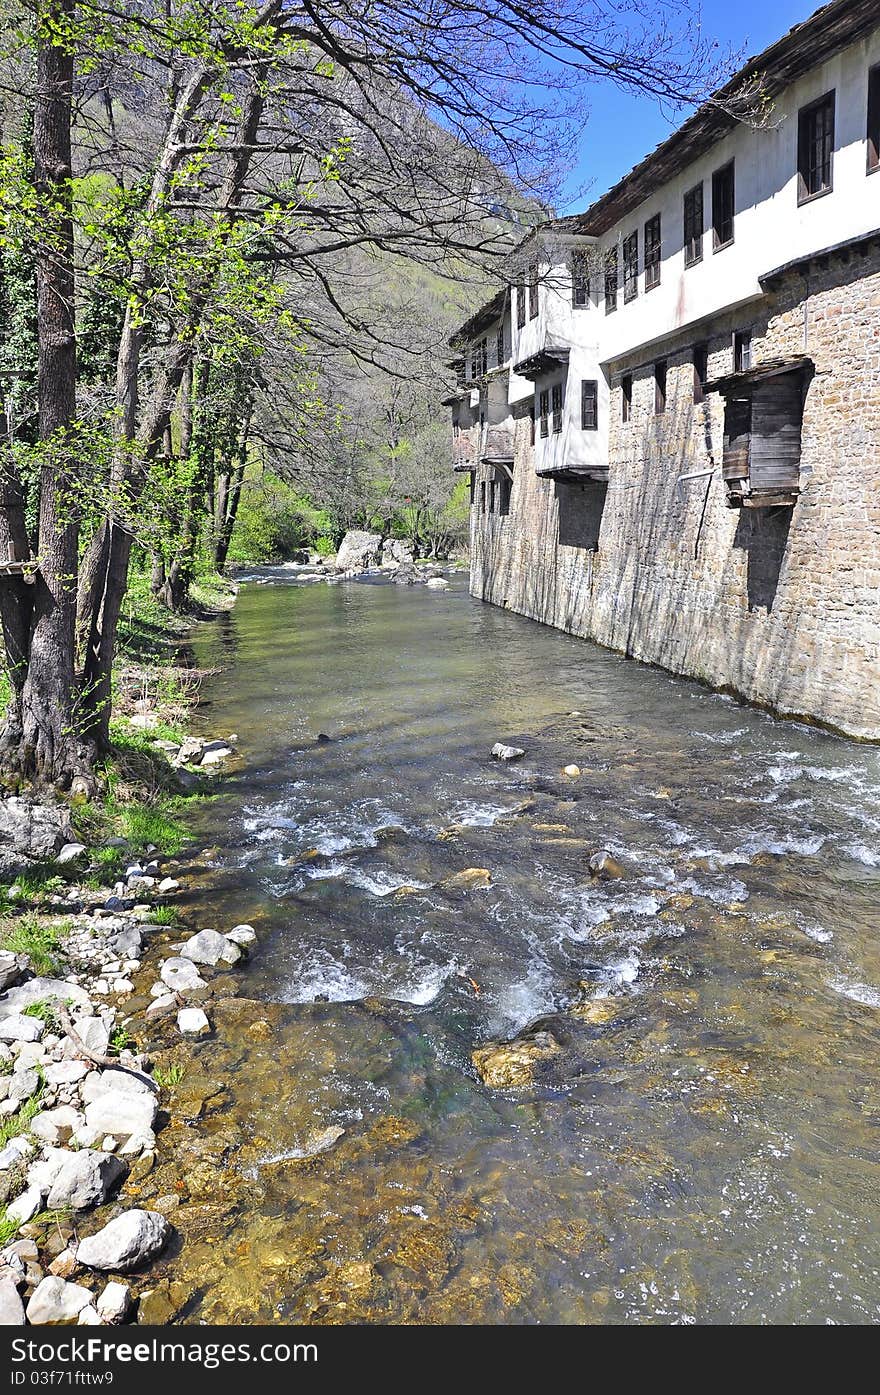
<point x="780" y="606"/>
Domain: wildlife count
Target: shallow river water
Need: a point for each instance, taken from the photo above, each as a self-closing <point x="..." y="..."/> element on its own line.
<point x="704" y="1146"/>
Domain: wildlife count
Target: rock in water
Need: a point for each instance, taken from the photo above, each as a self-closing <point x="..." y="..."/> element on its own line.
<point x="181" y="975"/>
<point x="125" y="1243"/>
<point x="470" y="879"/>
<point x="508" y="1065"/>
<point x="358" y="550"/>
<point x="57" y="1303"/>
<point x="501" y="752"/>
<point x="114" y="1302"/>
<point x="210" y="947"/>
<point x="606" y="866"/>
<point x="85" y="1179"/>
<point x="122" y="1115"/>
<point x="571" y="770"/>
<point x="192" y="1022"/>
<point x="439" y="583"/>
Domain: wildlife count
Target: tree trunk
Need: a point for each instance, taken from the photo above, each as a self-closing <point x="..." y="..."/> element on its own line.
<point x="40" y="741"/>
<point x="232" y="484"/>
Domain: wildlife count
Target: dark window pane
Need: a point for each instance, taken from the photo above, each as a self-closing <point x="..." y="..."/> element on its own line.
<point x="533" y="290"/>
<point x="693" y="226"/>
<point x="589" y="405"/>
<point x="652" y="252"/>
<point x="580" y="281"/>
<point x="544" y="411"/>
<point x="611" y="280"/>
<point x="722" y="206"/>
<point x="557" y="408"/>
<point x="874" y="118"/>
<point x="499" y="346"/>
<point x="626" y="397"/>
<point x="742" y="351"/>
<point x="660" y="386"/>
<point x="631" y="267"/>
<point x="520" y="305"/>
<point x="701" y="364"/>
<point x="815" y="147"/>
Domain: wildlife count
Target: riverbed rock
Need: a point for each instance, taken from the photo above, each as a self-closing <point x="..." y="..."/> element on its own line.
<point x="123" y="1115"/>
<point x="30" y="831"/>
<point x="437" y="583"/>
<point x="25" y="1206"/>
<point x="181" y="975"/>
<point x="572" y="771"/>
<point x="501" y="752"/>
<point x="12" y="966"/>
<point x="395" y="551"/>
<point x="127" y="943"/>
<point x="54" y="1126"/>
<point x="162" y="1006"/>
<point x="126" y="1243"/>
<point x="38" y="990"/>
<point x="11" y="1306"/>
<point x="242" y="935"/>
<point x="192" y="1022"/>
<point x="14" y="1027"/>
<point x="94" y="1034"/>
<point x="115" y="1080"/>
<point x="57" y="1303"/>
<point x="358" y="550"/>
<point x="70" y="853"/>
<point x="85" y="1179"/>
<point x="605" y="866"/>
<point x="114" y="1302"/>
<point x="510" y="1065"/>
<point x="210" y="947"/>
<point x="472" y="878"/>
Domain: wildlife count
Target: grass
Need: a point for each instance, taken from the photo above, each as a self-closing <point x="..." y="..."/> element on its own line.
<point x="167" y="1079"/>
<point x="19" y="1123"/>
<point x="38" y="940"/>
<point x="46" y="1012"/>
<point x="8" y="1229"/>
<point x="163" y="915"/>
<point x="120" y="1039"/>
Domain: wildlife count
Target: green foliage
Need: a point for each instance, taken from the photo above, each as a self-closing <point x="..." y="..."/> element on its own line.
<point x="46" y="1011"/>
<point x="120" y="1040"/>
<point x="8" y="1229"/>
<point x="275" y="520"/>
<point x="37" y="939"/>
<point x="19" y="1123"/>
<point x="151" y="825"/>
<point x="164" y="915"/>
<point x="167" y="1079"/>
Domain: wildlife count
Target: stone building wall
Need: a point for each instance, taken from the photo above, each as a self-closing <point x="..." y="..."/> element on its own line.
<point x="780" y="606"/>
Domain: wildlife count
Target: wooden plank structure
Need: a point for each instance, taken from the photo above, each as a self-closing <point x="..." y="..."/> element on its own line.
<point x="26" y="570"/>
<point x="763" y="412"/>
<point x="573" y="472"/>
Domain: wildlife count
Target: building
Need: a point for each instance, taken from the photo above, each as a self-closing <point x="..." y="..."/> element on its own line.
<point x="671" y="420"/>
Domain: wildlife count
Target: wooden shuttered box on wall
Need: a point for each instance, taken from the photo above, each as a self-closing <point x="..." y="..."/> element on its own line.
<point x="763" y="412"/>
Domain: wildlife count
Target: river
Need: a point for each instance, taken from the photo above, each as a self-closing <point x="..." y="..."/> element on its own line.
<point x="704" y="1147"/>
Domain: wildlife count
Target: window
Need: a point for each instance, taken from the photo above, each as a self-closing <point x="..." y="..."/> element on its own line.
<point x="626" y="397"/>
<point x="742" y="351"/>
<point x="557" y="408"/>
<point x="503" y="496"/>
<point x="589" y="405"/>
<point x="815" y="146"/>
<point x="660" y="387"/>
<point x="701" y="366"/>
<point x="544" y="411"/>
<point x="532" y="425"/>
<point x="492" y="493"/>
<point x="479" y="359"/>
<point x="874" y="119"/>
<point x="722" y="207"/>
<point x="482" y="496"/>
<point x="520" y="305"/>
<point x="693" y="225"/>
<point x="499" y="346"/>
<point x="471" y="487"/>
<point x="630" y="267"/>
<point x="456" y="429"/>
<point x="533" y="290"/>
<point x="611" y="280"/>
<point x="652" y="252"/>
<point x="580" y="281"/>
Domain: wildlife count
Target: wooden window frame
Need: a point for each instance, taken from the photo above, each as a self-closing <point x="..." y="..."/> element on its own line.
<point x="700" y="359"/>
<point x="653" y="254"/>
<point x="544" y="412"/>
<point x="873" y="119"/>
<point x="661" y="371"/>
<point x="723" y="173"/>
<point x="626" y="398"/>
<point x="742" y="350"/>
<point x="589" y="404"/>
<point x="690" y="235"/>
<point x="580" y="282"/>
<point x="532" y="423"/>
<point x="807" y="142"/>
<point x="482" y="496"/>
<point x="520" y="304"/>
<point x="612" y="279"/>
<point x="533" y="291"/>
<point x="557" y="403"/>
<point x="631" y="267"/>
<point x="499" y="346"/>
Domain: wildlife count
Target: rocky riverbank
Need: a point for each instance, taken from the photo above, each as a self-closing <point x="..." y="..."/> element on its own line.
<point x="99" y="984"/>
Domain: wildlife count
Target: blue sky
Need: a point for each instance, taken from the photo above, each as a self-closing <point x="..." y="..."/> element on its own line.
<point x="622" y="128"/>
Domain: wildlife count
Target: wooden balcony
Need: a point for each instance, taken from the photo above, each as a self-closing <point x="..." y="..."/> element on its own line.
<point x="496" y="446"/>
<point x="763" y="410"/>
<point x="571" y="472"/>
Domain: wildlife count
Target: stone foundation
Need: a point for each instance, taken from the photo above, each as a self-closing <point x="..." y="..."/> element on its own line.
<point x="780" y="606"/>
